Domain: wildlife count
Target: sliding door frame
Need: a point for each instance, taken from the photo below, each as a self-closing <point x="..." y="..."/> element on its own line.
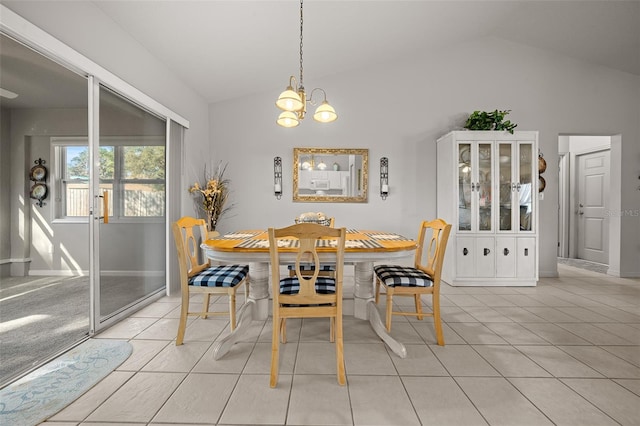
<point x="40" y="41"/>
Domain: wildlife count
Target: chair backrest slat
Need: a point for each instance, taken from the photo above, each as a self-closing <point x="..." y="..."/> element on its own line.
<point x="187" y="243"/>
<point x="308" y="253"/>
<point x="438" y="231"/>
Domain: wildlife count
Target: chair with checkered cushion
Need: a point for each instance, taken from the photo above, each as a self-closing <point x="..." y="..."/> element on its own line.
<point x="307" y="295"/>
<point x="202" y="278"/>
<point x="326" y="269"/>
<point x="422" y="278"/>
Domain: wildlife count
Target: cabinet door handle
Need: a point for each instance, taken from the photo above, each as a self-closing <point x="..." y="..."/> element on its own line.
<point x="506" y="251"/>
<point x="473" y="186"/>
<point x="486" y="251"/>
<point x="465" y="251"/>
<point x="526" y="252"/>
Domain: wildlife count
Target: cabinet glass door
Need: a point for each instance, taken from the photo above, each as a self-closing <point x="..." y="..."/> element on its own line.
<point x="525" y="186"/>
<point x="464" y="187"/>
<point x="507" y="186"/>
<point x="484" y="186"/>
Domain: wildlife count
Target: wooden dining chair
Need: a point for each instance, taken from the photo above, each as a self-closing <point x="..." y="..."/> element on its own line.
<point x="422" y="278"/>
<point x="202" y="278"/>
<point x="326" y="269"/>
<point x="307" y="296"/>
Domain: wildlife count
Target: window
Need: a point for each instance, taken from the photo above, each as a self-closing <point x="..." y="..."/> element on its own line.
<point x="132" y="172"/>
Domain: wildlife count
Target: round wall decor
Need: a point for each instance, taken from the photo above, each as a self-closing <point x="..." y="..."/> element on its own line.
<point x="542" y="164"/>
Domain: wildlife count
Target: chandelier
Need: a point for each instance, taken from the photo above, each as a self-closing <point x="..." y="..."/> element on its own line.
<point x="293" y="101"/>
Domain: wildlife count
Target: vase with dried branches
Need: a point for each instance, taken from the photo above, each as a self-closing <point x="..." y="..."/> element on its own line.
<point x="211" y="196"/>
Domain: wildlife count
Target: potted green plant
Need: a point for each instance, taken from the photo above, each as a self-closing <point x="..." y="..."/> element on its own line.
<point x="492" y="120"/>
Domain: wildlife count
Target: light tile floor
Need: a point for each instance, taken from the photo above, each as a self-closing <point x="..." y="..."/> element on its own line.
<point x="566" y="352"/>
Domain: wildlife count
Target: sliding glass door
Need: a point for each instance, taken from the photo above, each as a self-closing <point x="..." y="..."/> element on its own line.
<point x="90" y="247"/>
<point x="129" y="182"/>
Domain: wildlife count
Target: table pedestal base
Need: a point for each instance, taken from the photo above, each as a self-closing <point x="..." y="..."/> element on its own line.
<point x="257" y="307"/>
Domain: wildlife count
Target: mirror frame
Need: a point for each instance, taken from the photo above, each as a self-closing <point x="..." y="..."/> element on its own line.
<point x="364" y="176"/>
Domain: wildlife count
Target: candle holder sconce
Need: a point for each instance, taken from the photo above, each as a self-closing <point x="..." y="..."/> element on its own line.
<point x="384" y="177"/>
<point x="277" y="177"/>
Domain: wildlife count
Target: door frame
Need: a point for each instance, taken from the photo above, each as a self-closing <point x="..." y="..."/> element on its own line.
<point x="567" y="198"/>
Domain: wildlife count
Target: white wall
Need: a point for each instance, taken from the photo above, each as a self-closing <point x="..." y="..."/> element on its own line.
<point x="399" y="109"/>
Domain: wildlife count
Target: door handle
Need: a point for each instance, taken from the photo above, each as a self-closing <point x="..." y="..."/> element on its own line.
<point x="581" y="212"/>
<point x="105" y="207"/>
<point x="486" y="251"/>
<point x="465" y="251"/>
<point x="506" y="251"/>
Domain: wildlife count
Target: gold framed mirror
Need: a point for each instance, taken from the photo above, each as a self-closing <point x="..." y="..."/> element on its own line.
<point x="330" y="175"/>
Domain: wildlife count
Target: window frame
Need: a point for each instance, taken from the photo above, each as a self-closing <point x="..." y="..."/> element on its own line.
<point x="118" y="183"/>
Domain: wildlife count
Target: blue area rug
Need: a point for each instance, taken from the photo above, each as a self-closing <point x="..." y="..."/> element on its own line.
<point x="47" y="390"/>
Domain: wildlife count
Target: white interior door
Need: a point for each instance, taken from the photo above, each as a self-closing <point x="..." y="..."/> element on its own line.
<point x="593" y="201"/>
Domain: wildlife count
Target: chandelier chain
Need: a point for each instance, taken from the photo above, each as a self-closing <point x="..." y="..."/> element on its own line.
<point x="301" y="22"/>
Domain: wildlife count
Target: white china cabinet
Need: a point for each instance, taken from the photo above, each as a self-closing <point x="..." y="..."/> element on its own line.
<point x="487" y="188"/>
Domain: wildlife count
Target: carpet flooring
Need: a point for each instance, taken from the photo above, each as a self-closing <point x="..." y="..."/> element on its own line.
<point x="39" y="318"/>
<point x="42" y="316"/>
<point x="50" y="388"/>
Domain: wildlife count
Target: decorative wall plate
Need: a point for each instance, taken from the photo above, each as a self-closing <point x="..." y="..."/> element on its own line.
<point x="38" y="191"/>
<point x="542" y="184"/>
<point x="542" y="164"/>
<point x="38" y="173"/>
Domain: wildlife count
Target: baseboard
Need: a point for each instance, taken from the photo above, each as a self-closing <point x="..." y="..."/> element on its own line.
<point x="133" y="273"/>
<point x="25" y="260"/>
<point x="68" y="273"/>
<point x="617" y="273"/>
<point x="56" y="273"/>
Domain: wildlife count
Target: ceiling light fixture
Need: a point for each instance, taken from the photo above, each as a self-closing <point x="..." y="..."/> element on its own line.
<point x="293" y="101"/>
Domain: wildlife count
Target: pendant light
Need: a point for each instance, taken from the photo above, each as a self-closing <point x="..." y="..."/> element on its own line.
<point x="294" y="99"/>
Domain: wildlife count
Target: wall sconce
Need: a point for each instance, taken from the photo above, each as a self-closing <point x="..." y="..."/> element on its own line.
<point x="277" y="177"/>
<point x="384" y="177"/>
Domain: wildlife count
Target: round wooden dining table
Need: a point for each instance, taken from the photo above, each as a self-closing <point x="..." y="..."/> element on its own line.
<point x="362" y="249"/>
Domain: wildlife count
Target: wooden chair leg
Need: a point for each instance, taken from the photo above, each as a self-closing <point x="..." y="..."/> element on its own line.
<point x="377" y="299"/>
<point x="275" y="348"/>
<point x="232" y="309"/>
<point x="340" y="351"/>
<point x="332" y="329"/>
<point x="418" y="306"/>
<point x="389" y="307"/>
<point x="205" y="304"/>
<point x="182" y="324"/>
<point x="437" y="321"/>
<point x="283" y="330"/>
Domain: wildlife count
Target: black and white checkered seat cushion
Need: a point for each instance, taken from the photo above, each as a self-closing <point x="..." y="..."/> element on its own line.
<point x="220" y="276"/>
<point x="291" y="285"/>
<point x="309" y="267"/>
<point x="402" y="276"/>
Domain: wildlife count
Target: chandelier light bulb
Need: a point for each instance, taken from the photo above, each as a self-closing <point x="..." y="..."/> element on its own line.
<point x="325" y="113"/>
<point x="289" y="100"/>
<point x="288" y="119"/>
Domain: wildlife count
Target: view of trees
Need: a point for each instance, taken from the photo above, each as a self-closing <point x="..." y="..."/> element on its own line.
<point x="140" y="162"/>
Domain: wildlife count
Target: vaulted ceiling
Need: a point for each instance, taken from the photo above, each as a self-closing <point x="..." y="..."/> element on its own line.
<point x="226" y="49"/>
